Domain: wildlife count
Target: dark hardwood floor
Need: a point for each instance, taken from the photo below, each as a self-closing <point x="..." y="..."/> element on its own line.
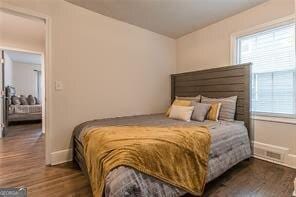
<point x="22" y="163"/>
<point x="254" y="178"/>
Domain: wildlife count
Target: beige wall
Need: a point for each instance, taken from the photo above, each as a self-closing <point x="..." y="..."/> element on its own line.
<point x="210" y="47"/>
<point x="8" y="71"/>
<point x="276" y="133"/>
<point x="21" y="32"/>
<point x="108" y="68"/>
<point x="24" y="78"/>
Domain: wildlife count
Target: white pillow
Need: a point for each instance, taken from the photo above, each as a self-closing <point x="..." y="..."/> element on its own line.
<point x="181" y="112"/>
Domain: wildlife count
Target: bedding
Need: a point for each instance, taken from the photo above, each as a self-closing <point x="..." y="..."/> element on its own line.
<point x="19" y="113"/>
<point x="229" y="145"/>
<point x="181" y="112"/>
<point x="24" y="100"/>
<point x="177" y="155"/>
<point x="228" y="106"/>
<point x="24" y="109"/>
<point x="214" y="111"/>
<point x="179" y="102"/>
<point x="200" y="111"/>
<point x="15" y="100"/>
<point x="31" y="100"/>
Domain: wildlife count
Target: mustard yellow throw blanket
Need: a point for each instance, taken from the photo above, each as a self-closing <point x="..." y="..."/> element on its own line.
<point x="175" y="155"/>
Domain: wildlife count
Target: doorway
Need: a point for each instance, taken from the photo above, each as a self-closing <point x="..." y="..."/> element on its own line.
<point x="22" y="83"/>
<point x="22" y="49"/>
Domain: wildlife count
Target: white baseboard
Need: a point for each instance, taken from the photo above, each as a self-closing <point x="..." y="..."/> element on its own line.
<point x="288" y="160"/>
<point x="276" y="162"/>
<point x="61" y="156"/>
<point x="291" y="160"/>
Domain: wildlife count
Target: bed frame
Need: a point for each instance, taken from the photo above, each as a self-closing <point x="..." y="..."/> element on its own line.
<point x="217" y="82"/>
<point x="10" y="119"/>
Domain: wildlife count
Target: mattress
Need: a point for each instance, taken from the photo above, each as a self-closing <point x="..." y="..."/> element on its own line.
<point x="230" y="144"/>
<point x="25" y="109"/>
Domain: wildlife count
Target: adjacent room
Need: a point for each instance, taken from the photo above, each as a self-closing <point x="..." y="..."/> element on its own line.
<point x="23" y="83"/>
<point x="148" y="98"/>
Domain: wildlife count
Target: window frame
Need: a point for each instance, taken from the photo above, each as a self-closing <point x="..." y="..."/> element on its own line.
<point x="38" y="84"/>
<point x="257" y="29"/>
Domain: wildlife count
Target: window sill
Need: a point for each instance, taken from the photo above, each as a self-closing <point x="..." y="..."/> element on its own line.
<point x="274" y="119"/>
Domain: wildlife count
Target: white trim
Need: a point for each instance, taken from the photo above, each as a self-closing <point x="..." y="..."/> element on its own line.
<point x="233" y="55"/>
<point x="3" y="47"/>
<point x="48" y="74"/>
<point x="289" y="160"/>
<point x="274" y="119"/>
<point x="233" y="49"/>
<point x="276" y="162"/>
<point x="252" y="30"/>
<point x="61" y="156"/>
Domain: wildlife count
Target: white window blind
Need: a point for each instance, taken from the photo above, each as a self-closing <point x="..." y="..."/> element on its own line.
<point x="272" y="53"/>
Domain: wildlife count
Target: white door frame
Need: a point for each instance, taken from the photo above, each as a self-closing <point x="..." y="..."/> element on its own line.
<point x="46" y="68"/>
<point x="3" y="48"/>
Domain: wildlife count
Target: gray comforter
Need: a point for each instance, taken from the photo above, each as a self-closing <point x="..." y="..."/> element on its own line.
<point x="230" y="145"/>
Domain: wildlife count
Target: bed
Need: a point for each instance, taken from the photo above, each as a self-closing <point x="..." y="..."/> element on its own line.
<point x="18" y="112"/>
<point x="230" y="139"/>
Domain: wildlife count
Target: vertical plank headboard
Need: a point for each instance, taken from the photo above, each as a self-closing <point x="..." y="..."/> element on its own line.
<point x="217" y="82"/>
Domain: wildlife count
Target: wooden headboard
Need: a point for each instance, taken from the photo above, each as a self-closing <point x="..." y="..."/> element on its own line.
<point x="217" y="82"/>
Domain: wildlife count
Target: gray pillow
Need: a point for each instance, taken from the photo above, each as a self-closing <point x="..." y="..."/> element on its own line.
<point x="31" y="100"/>
<point x="228" y="107"/>
<point x="200" y="111"/>
<point x="23" y="100"/>
<point x="37" y="102"/>
<point x="15" y="100"/>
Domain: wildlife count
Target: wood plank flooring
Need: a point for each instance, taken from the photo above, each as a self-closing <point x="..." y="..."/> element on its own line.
<point x="22" y="163"/>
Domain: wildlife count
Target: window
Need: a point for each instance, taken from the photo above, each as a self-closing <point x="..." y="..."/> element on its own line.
<point x="38" y="84"/>
<point x="272" y="53"/>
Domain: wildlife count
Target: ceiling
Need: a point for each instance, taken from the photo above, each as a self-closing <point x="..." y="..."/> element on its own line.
<point x="173" y="18"/>
<point x="23" y="57"/>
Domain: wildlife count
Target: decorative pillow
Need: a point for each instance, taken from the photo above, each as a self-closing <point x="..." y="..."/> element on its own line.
<point x="31" y="100"/>
<point x="190" y="98"/>
<point x="23" y="100"/>
<point x="228" y="106"/>
<point x="37" y="102"/>
<point x="214" y="111"/>
<point x="181" y="112"/>
<point x="15" y="100"/>
<point x="200" y="111"/>
<point x="179" y="103"/>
